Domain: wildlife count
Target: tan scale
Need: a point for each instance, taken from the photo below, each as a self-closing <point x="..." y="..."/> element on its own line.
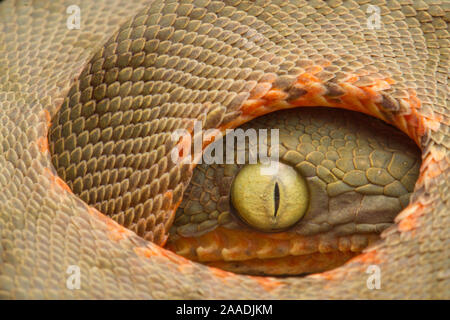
<point x="109" y="94"/>
<point x="362" y="201"/>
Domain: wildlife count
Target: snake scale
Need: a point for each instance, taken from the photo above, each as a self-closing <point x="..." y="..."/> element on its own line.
<point x="223" y="63"/>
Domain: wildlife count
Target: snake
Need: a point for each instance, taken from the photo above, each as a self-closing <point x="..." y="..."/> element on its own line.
<point x="82" y="79"/>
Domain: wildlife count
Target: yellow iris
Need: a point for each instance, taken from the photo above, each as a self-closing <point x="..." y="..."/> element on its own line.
<point x="270" y="202"/>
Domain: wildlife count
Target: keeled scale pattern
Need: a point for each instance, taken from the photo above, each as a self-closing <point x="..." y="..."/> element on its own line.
<point x="44" y="229"/>
<point x="360" y="174"/>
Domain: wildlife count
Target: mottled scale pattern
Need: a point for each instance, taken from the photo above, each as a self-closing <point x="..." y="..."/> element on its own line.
<point x="223" y="63"/>
<point x="359" y="171"/>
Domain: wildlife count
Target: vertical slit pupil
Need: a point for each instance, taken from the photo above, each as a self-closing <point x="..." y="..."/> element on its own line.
<point x="276" y="196"/>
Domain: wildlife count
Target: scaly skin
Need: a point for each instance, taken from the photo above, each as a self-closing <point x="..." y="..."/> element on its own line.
<point x="348" y="160"/>
<point x="302" y="55"/>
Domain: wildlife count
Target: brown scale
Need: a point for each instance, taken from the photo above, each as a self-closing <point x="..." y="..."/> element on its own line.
<point x="168" y="64"/>
<point x="44" y="228"/>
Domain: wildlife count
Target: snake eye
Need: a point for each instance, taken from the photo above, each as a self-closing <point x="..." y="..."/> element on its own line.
<point x="269" y="202"/>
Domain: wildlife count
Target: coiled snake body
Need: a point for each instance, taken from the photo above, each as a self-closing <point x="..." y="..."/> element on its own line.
<point x="224" y="63"/>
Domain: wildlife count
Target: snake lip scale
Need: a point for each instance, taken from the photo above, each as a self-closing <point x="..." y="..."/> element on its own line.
<point x="149" y="67"/>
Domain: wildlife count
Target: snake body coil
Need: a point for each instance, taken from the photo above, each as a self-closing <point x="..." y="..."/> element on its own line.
<point x="146" y="68"/>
